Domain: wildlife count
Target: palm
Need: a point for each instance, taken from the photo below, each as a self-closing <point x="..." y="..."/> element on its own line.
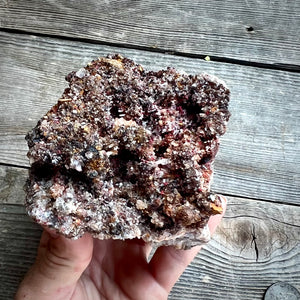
<point x="120" y="270"/>
<point x="87" y="269"/>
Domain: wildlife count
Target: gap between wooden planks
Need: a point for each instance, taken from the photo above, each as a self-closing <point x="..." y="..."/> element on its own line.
<point x="258" y="155"/>
<point x="255" y="31"/>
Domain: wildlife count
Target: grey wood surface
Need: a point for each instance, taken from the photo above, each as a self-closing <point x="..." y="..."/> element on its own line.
<point x="258" y="242"/>
<point x="250" y="30"/>
<point x="258" y="156"/>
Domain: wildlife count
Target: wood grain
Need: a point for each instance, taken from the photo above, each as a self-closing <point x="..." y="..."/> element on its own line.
<point x="257" y="244"/>
<point x="19" y="238"/>
<point x="258" y="241"/>
<point x="248" y="30"/>
<point x="12" y="181"/>
<point x="258" y="157"/>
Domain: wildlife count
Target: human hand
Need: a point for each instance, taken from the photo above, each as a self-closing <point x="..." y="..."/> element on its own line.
<point x="91" y="269"/>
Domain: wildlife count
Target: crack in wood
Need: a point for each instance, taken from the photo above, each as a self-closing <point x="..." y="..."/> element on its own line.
<point x="220" y="59"/>
<point x="255" y="198"/>
<point x="254" y="237"/>
<point x="14" y="166"/>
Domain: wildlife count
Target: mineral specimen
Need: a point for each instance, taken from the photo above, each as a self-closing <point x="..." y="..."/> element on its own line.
<point x="128" y="154"/>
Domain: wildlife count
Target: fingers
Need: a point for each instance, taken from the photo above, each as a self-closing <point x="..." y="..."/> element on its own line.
<point x="123" y="267"/>
<point x="122" y="255"/>
<point x="145" y="248"/>
<point x="169" y="263"/>
<point x="59" y="264"/>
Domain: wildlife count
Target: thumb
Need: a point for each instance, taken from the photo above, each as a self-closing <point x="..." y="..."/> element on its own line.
<point x="168" y="263"/>
<point x="59" y="264"/>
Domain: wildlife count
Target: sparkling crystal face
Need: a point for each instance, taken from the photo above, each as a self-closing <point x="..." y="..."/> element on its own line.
<point x="127" y="153"/>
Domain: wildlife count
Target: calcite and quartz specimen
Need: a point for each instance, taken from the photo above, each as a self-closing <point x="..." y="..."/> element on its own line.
<point x="127" y="153"/>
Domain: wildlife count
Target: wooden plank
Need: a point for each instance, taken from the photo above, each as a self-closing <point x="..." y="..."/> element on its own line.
<point x="12" y="181"/>
<point x="19" y="238"/>
<point x="250" y="30"/>
<point x="258" y="157"/>
<point x="257" y="244"/>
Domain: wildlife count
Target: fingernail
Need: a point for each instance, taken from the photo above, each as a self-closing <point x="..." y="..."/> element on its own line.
<point x="224" y="201"/>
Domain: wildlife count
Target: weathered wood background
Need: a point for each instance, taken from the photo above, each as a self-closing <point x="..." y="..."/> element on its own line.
<point x="254" y="46"/>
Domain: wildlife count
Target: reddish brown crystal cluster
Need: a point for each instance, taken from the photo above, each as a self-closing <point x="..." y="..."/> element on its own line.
<point x="127" y="153"/>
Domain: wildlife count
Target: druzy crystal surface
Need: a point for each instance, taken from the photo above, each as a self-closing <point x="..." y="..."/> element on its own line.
<point x="127" y="153"/>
